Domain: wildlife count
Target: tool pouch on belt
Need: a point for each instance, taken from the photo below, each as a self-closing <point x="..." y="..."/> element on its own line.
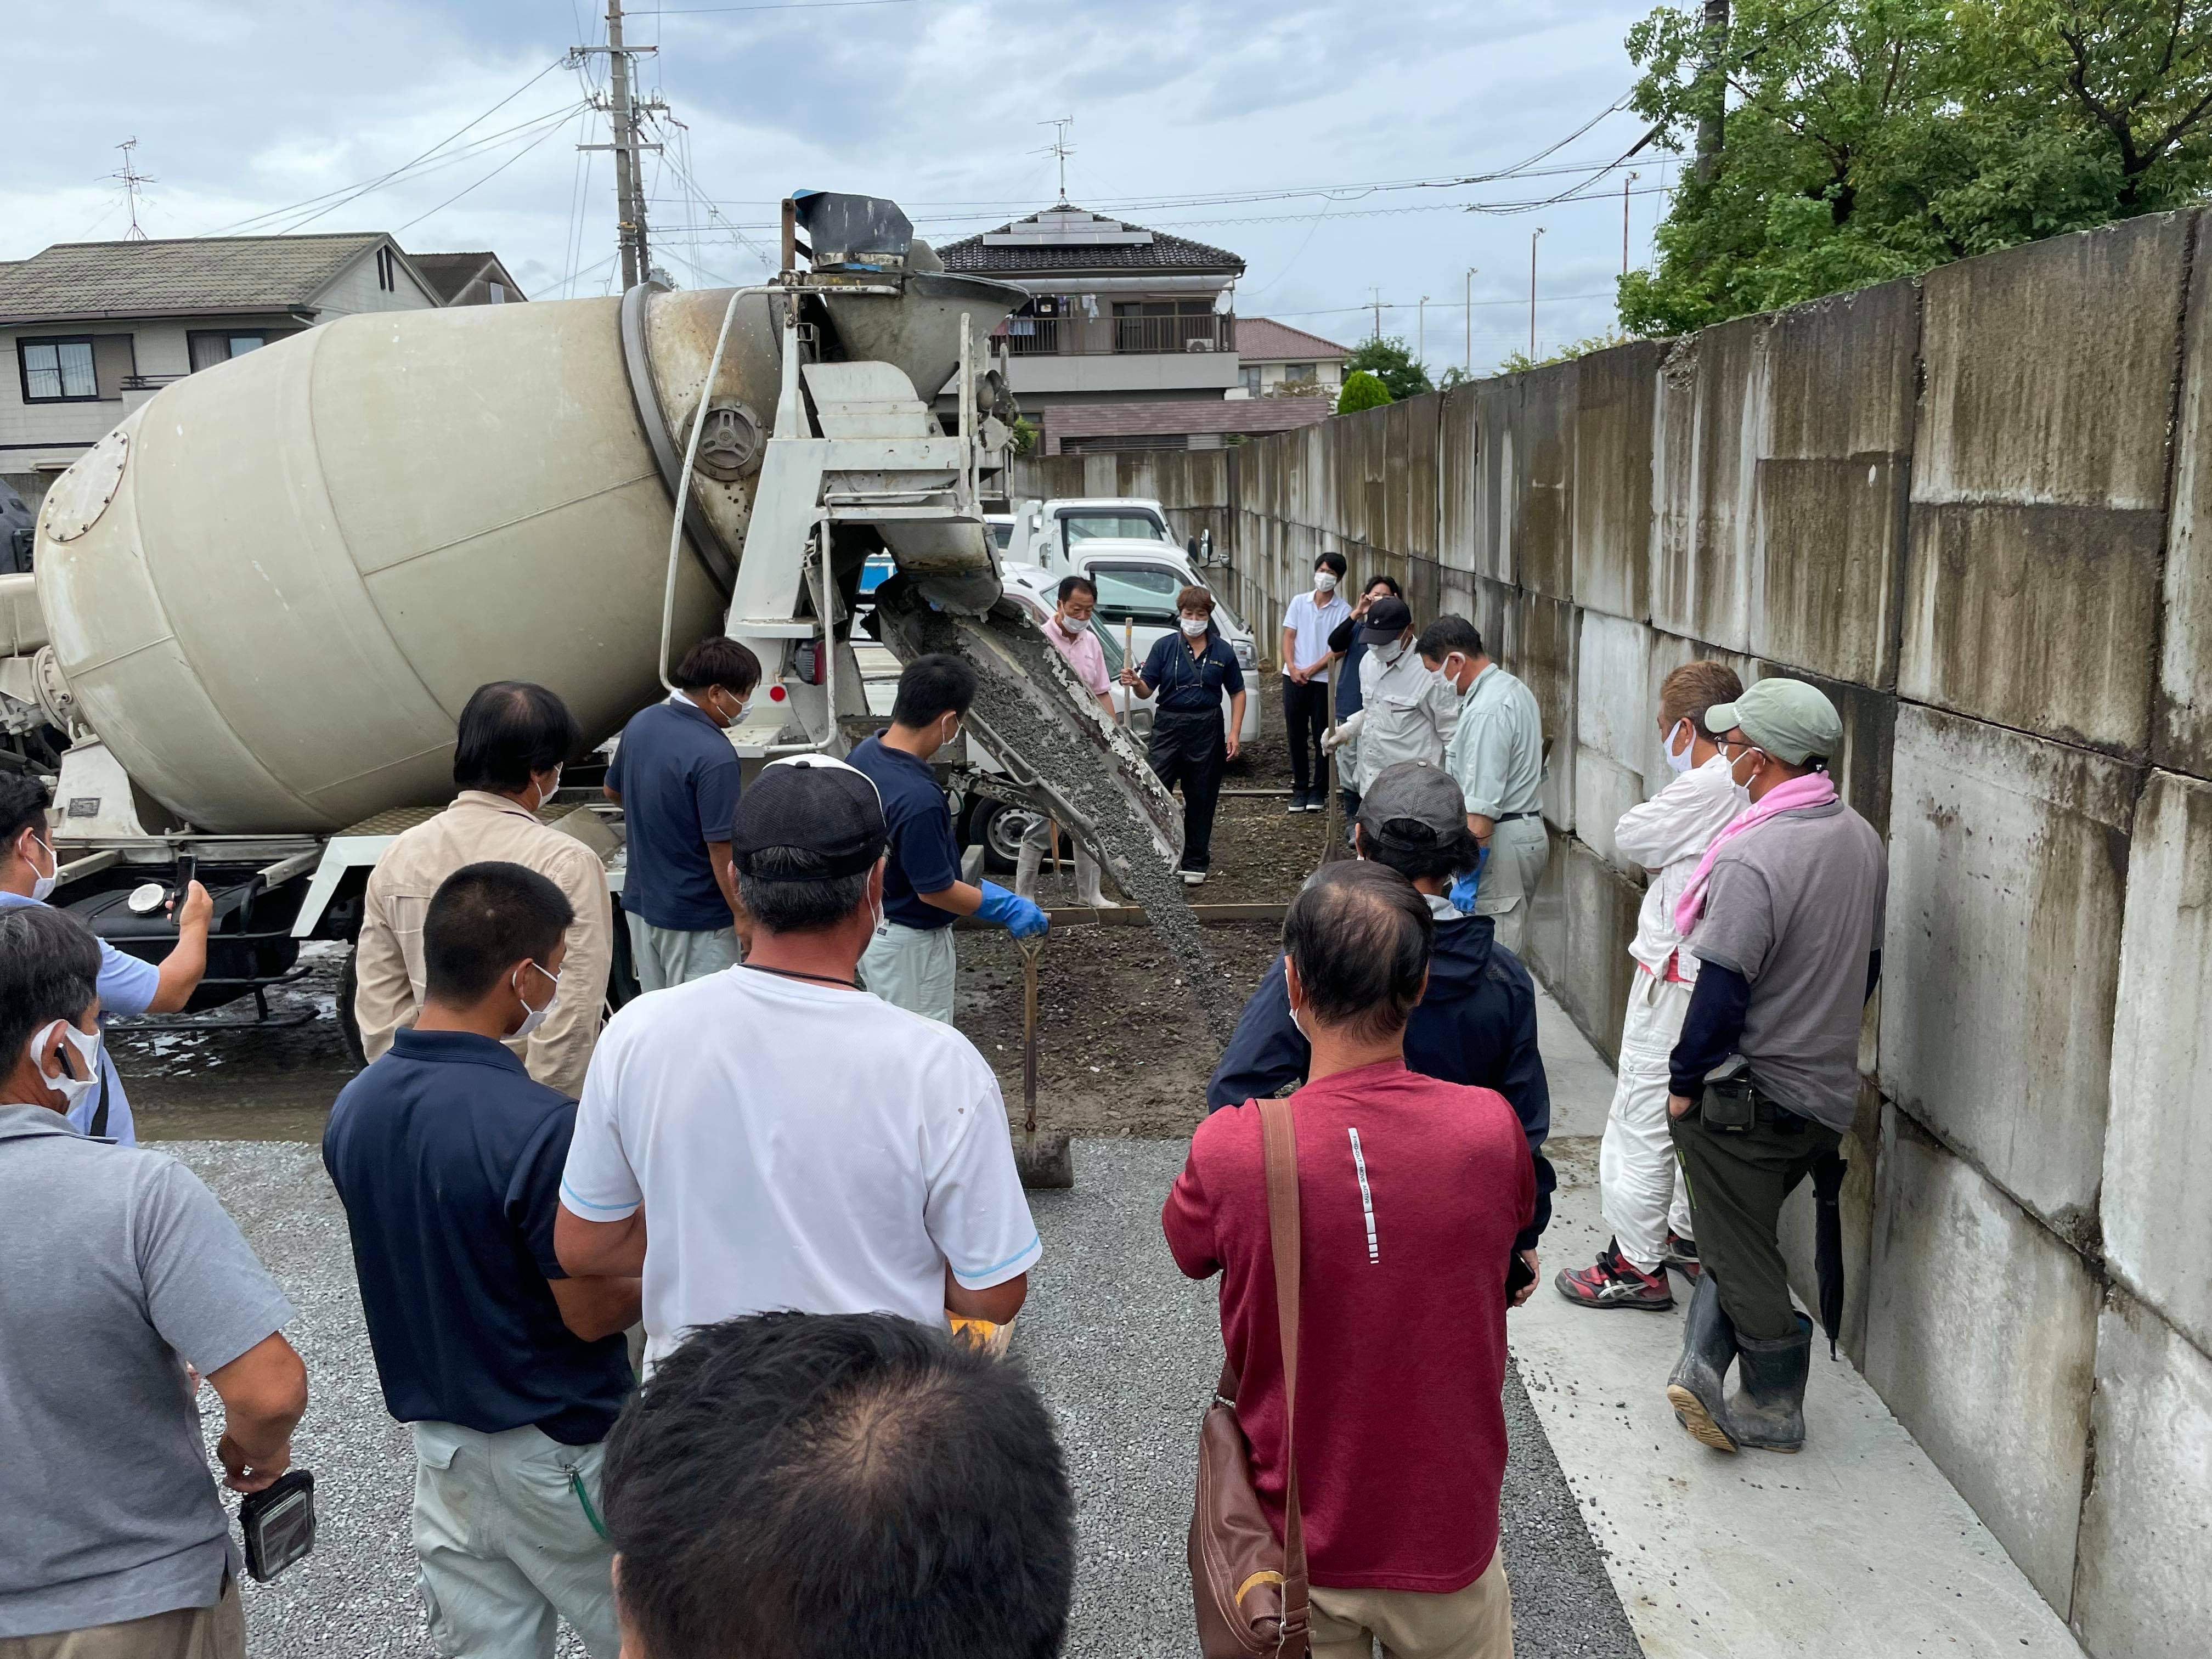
<point x="1250" y="1591"/>
<point x="1731" y="1103"/>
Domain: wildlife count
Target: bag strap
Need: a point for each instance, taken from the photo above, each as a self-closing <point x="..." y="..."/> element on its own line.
<point x="1278" y="1144"/>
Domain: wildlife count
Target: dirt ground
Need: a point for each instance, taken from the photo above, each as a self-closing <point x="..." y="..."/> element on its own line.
<point x="1122" y="1047"/>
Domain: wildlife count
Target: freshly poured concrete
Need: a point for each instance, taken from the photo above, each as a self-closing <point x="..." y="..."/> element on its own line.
<point x="1855" y="1547"/>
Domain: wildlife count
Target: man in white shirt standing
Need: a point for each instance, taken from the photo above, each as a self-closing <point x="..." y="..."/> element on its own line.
<point x="1640" y="1187"/>
<point x="1308" y="621"/>
<point x="1069" y="632"/>
<point x="796" y="1142"/>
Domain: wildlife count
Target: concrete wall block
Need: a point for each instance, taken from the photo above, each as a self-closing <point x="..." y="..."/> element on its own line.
<point x="1498" y="418"/>
<point x="2009" y="861"/>
<point x="1862" y="769"/>
<point x="2158" y="1149"/>
<point x="1549" y="634"/>
<point x="1460" y="543"/>
<point x="1495" y="614"/>
<point x="2181" y="720"/>
<point x="1411" y="507"/>
<point x="1981" y="1336"/>
<point x="1711" y="430"/>
<point x="2139" y="1582"/>
<point x="1613" y="713"/>
<point x="2051" y="369"/>
<point x="1614" y="456"/>
<point x="1577" y="939"/>
<point x="1857" y="1206"/>
<point x="1831" y="538"/>
<point x="1845" y="375"/>
<point x="1544" y="938"/>
<point x="1604" y="789"/>
<point x="1544" y="480"/>
<point x="1998" y="594"/>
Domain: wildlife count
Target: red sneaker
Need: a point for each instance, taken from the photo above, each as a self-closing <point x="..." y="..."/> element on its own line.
<point x="1682" y="1256"/>
<point x="1614" y="1281"/>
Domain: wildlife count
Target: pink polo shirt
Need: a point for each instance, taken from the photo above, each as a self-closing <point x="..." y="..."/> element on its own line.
<point x="1083" y="653"/>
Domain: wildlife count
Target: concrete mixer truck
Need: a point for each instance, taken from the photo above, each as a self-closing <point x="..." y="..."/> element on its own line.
<point x="261" y="601"/>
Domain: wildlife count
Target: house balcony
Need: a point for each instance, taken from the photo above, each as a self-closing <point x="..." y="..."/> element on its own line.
<point x="1117" y="336"/>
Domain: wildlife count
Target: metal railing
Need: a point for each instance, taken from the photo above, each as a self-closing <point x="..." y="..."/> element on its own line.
<point x="147" y="382"/>
<point x="1080" y="337"/>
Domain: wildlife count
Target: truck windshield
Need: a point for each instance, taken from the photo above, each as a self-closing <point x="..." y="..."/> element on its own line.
<point x="1084" y="526"/>
<point x="1143" y="593"/>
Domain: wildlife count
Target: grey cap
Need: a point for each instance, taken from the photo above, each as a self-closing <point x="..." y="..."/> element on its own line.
<point x="1412" y="805"/>
<point x="1787" y="718"/>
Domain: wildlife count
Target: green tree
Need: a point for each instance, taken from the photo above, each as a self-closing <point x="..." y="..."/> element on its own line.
<point x="1023" y="440"/>
<point x="1869" y="139"/>
<point x="1361" y="390"/>
<point x="1389" y="361"/>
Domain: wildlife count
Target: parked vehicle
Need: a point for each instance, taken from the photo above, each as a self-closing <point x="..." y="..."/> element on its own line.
<point x="1047" y="533"/>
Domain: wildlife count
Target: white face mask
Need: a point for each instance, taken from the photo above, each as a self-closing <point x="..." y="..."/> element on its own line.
<point x="1325" y="581"/>
<point x="1194" y="626"/>
<point x="1393" y="655"/>
<point x="534" y="1017"/>
<point x="1295" y="1024"/>
<point x="86" y="1044"/>
<point x="42" y="886"/>
<point x="1073" y="628"/>
<point x="550" y="791"/>
<point x="1680" y="762"/>
<point x="1449" y="675"/>
<point x="1743" y="788"/>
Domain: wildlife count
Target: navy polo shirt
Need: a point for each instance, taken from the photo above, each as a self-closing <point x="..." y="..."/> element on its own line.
<point x="449" y="1160"/>
<point x="678" y="777"/>
<point x="924" y="857"/>
<point x="1184" y="684"/>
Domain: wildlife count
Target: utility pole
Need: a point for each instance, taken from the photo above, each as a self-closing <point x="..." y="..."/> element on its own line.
<point x="1060" y="148"/>
<point x="1470" y="321"/>
<point x="1625" y="184"/>
<point x="624" y="109"/>
<point x="1712" y="119"/>
<point x="1375" y="306"/>
<point x="1421" y="335"/>
<point x="131" y="179"/>
<point x="1532" y="293"/>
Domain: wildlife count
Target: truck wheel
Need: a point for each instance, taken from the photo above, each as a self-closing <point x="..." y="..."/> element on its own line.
<point x="998" y="828"/>
<point x="349" y="1027"/>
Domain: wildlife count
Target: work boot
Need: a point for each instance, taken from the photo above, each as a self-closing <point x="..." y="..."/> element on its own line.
<point x="1695" y="1389"/>
<point x="1768" y="1410"/>
<point x="1682" y="1255"/>
<point x="1027" y="863"/>
<point x="1614" y="1281"/>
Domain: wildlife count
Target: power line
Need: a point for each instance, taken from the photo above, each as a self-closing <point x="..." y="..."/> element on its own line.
<point x="775" y="5"/>
<point x="552" y="128"/>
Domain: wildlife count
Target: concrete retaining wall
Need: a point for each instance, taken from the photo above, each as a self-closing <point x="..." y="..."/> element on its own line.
<point x="1977" y="510"/>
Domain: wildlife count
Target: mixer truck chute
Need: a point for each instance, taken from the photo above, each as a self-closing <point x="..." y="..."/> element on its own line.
<point x="265" y="596"/>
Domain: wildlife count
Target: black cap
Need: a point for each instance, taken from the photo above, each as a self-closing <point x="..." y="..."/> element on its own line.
<point x="1413" y="805"/>
<point x="812" y="803"/>
<point x="1387" y="618"/>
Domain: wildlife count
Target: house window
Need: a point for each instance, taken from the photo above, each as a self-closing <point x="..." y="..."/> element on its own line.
<point x="498" y="292"/>
<point x="58" y="370"/>
<point x="387" y="270"/>
<point x="209" y="347"/>
<point x="1301" y="371"/>
<point x="1251" y="373"/>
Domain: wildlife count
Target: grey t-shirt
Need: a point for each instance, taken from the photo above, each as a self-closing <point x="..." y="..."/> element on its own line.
<point x="1795" y="905"/>
<point x="119" y="1267"/>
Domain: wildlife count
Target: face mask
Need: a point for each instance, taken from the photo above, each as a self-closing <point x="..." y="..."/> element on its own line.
<point x="1742" y="789"/>
<point x="1449" y="675"/>
<point x="740" y="715"/>
<point x="550" y="790"/>
<point x="86" y="1044"/>
<point x="534" y="1017"/>
<point x="1392" y="656"/>
<point x="1071" y="628"/>
<point x="1325" y="582"/>
<point x="1295" y="1024"/>
<point x="1194" y="626"/>
<point x="1680" y="763"/>
<point x="42" y="886"/>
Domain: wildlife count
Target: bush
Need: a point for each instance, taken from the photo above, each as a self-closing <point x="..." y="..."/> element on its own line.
<point x="1361" y="390"/>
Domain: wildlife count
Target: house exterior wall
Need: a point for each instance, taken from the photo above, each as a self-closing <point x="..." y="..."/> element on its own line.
<point x="356" y="290"/>
<point x="1328" y="374"/>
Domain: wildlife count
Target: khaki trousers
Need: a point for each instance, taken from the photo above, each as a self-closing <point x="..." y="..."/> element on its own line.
<point x="216" y="1632"/>
<point x="1475" y="1623"/>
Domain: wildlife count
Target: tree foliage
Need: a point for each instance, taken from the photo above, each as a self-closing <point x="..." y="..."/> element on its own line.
<point x="1361" y="390"/>
<point x="1868" y="139"/>
<point x="1389" y="361"/>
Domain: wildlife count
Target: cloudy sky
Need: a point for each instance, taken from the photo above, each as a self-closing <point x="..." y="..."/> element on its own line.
<point x="276" y="117"/>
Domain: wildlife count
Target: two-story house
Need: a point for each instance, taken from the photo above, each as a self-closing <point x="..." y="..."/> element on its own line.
<point x="1277" y="361"/>
<point x="89" y="331"/>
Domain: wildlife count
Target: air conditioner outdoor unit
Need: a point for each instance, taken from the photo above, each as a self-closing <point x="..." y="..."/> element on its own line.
<point x="1198" y="345"/>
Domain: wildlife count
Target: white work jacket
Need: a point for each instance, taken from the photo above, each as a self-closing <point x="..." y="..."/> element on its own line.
<point x="1408" y="714"/>
<point x="1667" y="835"/>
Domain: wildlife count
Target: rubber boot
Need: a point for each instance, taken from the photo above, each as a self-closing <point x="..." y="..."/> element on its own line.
<point x="1768" y="1410"/>
<point x="1087" y="888"/>
<point x="1694" y="1389"/>
<point x="1026" y="865"/>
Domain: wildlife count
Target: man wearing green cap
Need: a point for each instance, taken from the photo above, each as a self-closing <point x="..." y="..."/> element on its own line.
<point x="1784" y="914"/>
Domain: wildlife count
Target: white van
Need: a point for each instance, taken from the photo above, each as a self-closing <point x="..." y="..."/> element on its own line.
<point x="1048" y="533"/>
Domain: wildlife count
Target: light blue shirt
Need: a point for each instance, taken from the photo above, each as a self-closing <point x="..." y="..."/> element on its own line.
<point x="127" y="986"/>
<point x="1497" y="752"/>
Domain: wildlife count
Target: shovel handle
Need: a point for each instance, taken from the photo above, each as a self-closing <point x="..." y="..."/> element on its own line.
<point x="1031" y="947"/>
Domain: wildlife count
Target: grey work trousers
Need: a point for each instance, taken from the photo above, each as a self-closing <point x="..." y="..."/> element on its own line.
<point x="1738" y="1182"/>
<point x="675" y="956"/>
<point x="1518" y="850"/>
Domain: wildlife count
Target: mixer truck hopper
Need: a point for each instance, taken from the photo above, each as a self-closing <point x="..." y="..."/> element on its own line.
<point x="262" y="599"/>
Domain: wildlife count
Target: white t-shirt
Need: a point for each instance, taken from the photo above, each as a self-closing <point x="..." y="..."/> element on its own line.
<point x="1310" y="624"/>
<point x="796" y="1145"/>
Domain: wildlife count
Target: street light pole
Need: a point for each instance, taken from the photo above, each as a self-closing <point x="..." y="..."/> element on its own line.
<point x="1625" y="184"/>
<point x="1532" y="292"/>
<point x="1421" y="334"/>
<point x="1470" y="321"/>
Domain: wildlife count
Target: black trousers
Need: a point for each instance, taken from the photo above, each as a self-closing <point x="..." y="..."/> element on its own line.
<point x="1737" y="1185"/>
<point x="1305" y="717"/>
<point x="1191" y="748"/>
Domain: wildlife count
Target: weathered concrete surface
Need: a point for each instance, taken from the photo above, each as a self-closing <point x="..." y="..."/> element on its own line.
<point x="2181" y="720"/>
<point x="2039" y="483"/>
<point x="1614" y="731"/>
<point x="1579" y="938"/>
<point x="1544" y="480"/>
<point x="1832" y="483"/>
<point x="1710" y="431"/>
<point x="1550" y="632"/>
<point x="2140" y="1588"/>
<point x="1856" y="1206"/>
<point x="1618" y="395"/>
<point x="2008" y="862"/>
<point x="1861" y="767"/>
<point x="1981" y="1335"/>
<point x="2158" y="1148"/>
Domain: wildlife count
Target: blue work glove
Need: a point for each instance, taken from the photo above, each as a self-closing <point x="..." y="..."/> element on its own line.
<point x="1011" y="911"/>
<point x="1463" y="890"/>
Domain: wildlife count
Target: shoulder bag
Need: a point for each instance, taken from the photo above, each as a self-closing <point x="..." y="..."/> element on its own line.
<point x="1250" y="1591"/>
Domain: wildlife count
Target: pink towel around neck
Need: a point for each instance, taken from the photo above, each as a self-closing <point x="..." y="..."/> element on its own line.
<point x="1813" y="789"/>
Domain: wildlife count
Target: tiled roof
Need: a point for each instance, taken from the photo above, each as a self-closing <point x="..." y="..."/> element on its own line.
<point x="185" y="277"/>
<point x="1071" y="240"/>
<point x="1247" y="415"/>
<point x="1261" y="340"/>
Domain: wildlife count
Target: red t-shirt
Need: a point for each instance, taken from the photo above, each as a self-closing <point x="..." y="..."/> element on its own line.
<point x="1401" y="1356"/>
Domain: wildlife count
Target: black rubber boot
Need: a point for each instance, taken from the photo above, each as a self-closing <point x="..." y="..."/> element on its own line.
<point x="1709" y="1344"/>
<point x="1768" y="1410"/>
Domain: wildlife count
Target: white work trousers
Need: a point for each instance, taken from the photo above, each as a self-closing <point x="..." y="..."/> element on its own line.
<point x="1640" y="1187"/>
<point x="1036" y="840"/>
<point x="504" y="1548"/>
<point x="915" y="968"/>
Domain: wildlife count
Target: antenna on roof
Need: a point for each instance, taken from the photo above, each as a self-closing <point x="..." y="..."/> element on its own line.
<point x="131" y="179"/>
<point x="1059" y="146"/>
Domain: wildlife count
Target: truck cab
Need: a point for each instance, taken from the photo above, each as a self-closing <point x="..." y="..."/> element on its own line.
<point x="1048" y="533"/>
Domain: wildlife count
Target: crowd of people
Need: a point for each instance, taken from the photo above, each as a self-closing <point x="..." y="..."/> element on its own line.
<point x="668" y="1303"/>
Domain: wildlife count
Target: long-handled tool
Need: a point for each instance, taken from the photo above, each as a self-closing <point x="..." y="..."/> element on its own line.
<point x="1128" y="656"/>
<point x="1328" y="844"/>
<point x="1043" y="1160"/>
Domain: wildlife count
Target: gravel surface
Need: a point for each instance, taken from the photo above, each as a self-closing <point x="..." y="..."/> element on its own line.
<point x="1123" y="1347"/>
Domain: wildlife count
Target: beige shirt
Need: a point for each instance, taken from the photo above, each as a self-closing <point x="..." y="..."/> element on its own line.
<point x="479" y="826"/>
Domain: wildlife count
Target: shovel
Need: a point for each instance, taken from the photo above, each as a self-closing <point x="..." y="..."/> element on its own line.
<point x="1043" y="1160"/>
